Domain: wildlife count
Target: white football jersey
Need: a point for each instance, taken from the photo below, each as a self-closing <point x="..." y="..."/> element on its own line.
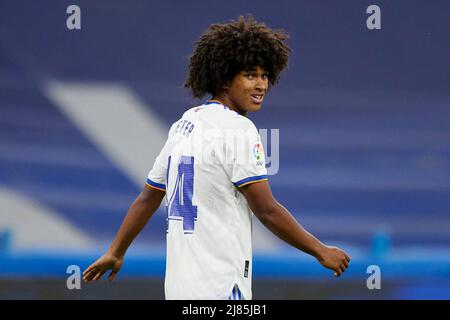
<point x="209" y="153"/>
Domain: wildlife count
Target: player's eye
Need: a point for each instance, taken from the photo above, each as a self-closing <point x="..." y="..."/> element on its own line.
<point x="265" y="76"/>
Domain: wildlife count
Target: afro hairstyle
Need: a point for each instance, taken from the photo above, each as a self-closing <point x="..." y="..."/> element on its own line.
<point x="225" y="50"/>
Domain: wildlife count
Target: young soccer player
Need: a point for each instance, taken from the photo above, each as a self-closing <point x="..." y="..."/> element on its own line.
<point x="212" y="172"/>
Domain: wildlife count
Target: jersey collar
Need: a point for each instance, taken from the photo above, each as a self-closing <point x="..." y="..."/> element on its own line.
<point x="213" y="101"/>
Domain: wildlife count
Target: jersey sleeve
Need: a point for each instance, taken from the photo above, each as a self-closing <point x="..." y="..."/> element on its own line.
<point x="248" y="165"/>
<point x="157" y="176"/>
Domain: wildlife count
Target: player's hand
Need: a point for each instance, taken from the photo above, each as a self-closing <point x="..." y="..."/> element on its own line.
<point x="335" y="259"/>
<point x="106" y="262"/>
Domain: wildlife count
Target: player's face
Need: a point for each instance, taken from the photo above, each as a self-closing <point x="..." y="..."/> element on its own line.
<point x="247" y="90"/>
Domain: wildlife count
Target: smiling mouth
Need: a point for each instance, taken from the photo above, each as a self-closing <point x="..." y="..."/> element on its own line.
<point x="257" y="98"/>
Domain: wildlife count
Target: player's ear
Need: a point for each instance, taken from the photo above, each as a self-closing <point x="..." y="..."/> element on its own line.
<point x="226" y="87"/>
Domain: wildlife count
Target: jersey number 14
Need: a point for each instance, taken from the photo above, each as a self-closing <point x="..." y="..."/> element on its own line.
<point x="180" y="202"/>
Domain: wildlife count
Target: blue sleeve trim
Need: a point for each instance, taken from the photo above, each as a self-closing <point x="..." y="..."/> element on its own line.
<point x="156" y="185"/>
<point x="248" y="180"/>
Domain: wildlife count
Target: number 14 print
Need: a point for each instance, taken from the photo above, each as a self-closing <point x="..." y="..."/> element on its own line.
<point x="180" y="201"/>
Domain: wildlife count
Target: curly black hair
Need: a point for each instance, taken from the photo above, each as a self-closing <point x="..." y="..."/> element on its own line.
<point x="224" y="50"/>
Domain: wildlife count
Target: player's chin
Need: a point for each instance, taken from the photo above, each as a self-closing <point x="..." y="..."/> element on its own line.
<point x="254" y="107"/>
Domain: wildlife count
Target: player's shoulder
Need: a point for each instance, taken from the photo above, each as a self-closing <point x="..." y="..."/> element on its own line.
<point x="237" y="122"/>
<point x="193" y="111"/>
<point x="223" y="117"/>
<point x="243" y="122"/>
<point x="218" y="116"/>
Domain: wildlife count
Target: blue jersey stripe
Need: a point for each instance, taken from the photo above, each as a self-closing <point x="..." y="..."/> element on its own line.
<point x="248" y="180"/>
<point x="156" y="185"/>
<point x="235" y="294"/>
<point x="167" y="171"/>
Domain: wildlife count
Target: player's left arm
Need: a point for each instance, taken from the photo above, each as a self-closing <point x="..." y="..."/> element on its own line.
<point x="281" y="223"/>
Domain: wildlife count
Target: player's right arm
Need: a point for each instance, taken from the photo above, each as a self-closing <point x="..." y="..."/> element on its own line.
<point x="146" y="203"/>
<point x="281" y="223"/>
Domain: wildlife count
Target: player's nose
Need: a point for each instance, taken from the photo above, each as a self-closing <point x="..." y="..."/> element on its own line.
<point x="261" y="84"/>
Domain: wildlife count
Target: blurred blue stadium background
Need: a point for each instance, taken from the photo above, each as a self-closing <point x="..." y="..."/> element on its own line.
<point x="364" y="120"/>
